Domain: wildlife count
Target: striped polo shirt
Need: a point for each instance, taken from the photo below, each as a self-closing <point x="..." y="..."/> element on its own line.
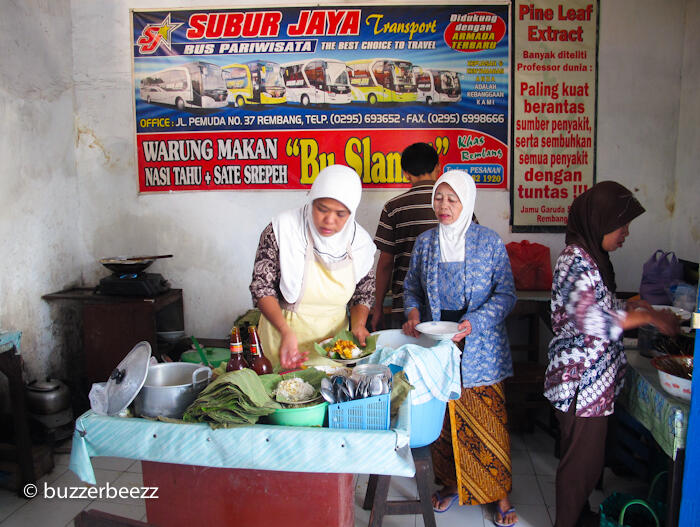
<point x="403" y="219"/>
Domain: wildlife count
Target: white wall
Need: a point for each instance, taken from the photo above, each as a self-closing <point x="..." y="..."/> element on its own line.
<point x="685" y="229"/>
<point x="639" y="137"/>
<point x="65" y="216"/>
<point x="40" y="225"/>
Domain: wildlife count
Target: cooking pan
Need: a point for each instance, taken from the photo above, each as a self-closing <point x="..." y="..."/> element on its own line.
<point x="130" y="264"/>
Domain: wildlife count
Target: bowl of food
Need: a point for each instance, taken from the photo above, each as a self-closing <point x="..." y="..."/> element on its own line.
<point x="301" y="404"/>
<point x="675" y="374"/>
<point x="681" y="314"/>
<point x="312" y="414"/>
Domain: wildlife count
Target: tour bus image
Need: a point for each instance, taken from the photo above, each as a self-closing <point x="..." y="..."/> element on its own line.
<point x="436" y="86"/>
<point x="317" y="81"/>
<point x="382" y="80"/>
<point x="192" y="85"/>
<point x="255" y="82"/>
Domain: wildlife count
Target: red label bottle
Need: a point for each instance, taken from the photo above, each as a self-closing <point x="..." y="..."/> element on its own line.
<point x="260" y="364"/>
<point x="237" y="361"/>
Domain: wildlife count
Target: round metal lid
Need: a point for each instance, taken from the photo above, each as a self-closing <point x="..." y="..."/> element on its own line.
<point x="127" y="378"/>
<point x="48" y="385"/>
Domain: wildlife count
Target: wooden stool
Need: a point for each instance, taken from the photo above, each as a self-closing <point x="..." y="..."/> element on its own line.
<point x="378" y="490"/>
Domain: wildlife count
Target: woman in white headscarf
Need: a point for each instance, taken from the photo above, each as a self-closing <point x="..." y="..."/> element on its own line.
<point x="310" y="264"/>
<point x="460" y="272"/>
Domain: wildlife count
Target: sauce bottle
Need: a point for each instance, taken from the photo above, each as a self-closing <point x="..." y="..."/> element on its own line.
<point x="260" y="364"/>
<point x="237" y="361"/>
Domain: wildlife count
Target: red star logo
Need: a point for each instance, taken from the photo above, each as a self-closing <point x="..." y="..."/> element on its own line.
<point x="153" y="35"/>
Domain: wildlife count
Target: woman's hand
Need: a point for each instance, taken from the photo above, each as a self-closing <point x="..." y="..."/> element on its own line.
<point x="361" y="335"/>
<point x="290" y="356"/>
<point x="358" y="323"/>
<point x="465" y="328"/>
<point x="409" y="327"/>
<point x="665" y="321"/>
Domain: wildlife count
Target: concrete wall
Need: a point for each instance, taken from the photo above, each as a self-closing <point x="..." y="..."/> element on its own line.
<point x="685" y="229"/>
<point x="40" y="221"/>
<point x="77" y="198"/>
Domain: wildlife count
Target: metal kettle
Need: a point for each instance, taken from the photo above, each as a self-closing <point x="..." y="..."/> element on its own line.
<point x="47" y="397"/>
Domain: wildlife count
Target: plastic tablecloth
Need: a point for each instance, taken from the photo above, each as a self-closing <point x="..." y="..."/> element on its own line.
<point x="664" y="415"/>
<point x="258" y="447"/>
<point x="9" y="339"/>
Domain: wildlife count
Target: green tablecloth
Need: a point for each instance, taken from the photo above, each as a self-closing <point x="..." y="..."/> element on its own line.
<point x="664" y="415"/>
<point x="258" y="447"/>
<point x="10" y="339"/>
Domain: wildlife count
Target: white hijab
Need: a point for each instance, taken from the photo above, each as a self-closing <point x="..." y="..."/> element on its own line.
<point x="293" y="228"/>
<point x="452" y="237"/>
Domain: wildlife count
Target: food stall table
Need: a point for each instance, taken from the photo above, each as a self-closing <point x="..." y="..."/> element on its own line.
<point x="662" y="414"/>
<point x="259" y="473"/>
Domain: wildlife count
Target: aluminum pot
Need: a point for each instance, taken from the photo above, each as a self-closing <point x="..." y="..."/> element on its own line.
<point x="170" y="387"/>
<point x="47" y="397"/>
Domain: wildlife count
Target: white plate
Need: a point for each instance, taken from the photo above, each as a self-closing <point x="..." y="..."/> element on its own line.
<point x="679" y="312"/>
<point x="438" y="330"/>
<point x="316" y="398"/>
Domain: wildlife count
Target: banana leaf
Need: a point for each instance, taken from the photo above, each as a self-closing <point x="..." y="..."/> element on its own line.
<point x="235" y="397"/>
<point x="370" y="347"/>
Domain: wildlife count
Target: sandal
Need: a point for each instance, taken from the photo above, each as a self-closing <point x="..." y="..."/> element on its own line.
<point x="439" y="497"/>
<point x="499" y="517"/>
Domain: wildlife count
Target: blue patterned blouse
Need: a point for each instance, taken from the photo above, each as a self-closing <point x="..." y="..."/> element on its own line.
<point x="488" y="292"/>
<point x="451" y="297"/>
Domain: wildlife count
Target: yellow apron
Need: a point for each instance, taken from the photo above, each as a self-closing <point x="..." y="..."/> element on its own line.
<point x="319" y="313"/>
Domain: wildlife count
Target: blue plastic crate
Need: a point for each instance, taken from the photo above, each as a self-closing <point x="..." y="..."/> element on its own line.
<point x="371" y="413"/>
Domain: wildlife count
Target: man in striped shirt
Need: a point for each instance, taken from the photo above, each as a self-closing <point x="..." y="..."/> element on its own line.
<point x="403" y="219"/>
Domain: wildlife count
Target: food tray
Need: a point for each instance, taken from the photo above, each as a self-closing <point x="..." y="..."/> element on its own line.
<point x="371" y="413"/>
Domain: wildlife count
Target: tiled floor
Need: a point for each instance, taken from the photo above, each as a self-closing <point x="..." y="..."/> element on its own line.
<point x="534" y="467"/>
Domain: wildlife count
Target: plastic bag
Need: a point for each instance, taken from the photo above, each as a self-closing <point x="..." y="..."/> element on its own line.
<point x="658" y="274"/>
<point x="684" y="296"/>
<point x="530" y="265"/>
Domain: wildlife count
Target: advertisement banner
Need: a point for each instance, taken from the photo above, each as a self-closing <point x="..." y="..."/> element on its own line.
<point x="239" y="99"/>
<point x="554" y="110"/>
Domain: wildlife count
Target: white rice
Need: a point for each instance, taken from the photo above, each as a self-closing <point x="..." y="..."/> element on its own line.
<point x="295" y="389"/>
<point x="334" y="370"/>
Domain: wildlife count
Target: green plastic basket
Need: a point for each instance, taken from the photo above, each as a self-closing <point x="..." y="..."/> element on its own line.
<point x="616" y="505"/>
<point x="616" y="511"/>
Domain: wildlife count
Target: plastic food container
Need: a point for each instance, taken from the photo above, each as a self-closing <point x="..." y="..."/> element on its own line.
<point x="305" y="416"/>
<point x="673" y="384"/>
<point x="426" y="418"/>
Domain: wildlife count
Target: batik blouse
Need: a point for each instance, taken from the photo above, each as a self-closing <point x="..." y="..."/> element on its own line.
<point x="488" y="296"/>
<point x="586" y="353"/>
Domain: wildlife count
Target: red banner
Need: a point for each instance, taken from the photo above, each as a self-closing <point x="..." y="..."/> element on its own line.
<point x="292" y="159"/>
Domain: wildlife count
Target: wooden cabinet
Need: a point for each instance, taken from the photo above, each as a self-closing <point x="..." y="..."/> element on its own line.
<point x="112" y="325"/>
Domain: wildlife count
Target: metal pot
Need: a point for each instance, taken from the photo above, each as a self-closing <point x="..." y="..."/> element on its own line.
<point x="170" y="387"/>
<point x="47" y="397"/>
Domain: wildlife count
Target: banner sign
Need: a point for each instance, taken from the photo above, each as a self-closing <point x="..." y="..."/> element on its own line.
<point x="229" y="99"/>
<point x="554" y="110"/>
